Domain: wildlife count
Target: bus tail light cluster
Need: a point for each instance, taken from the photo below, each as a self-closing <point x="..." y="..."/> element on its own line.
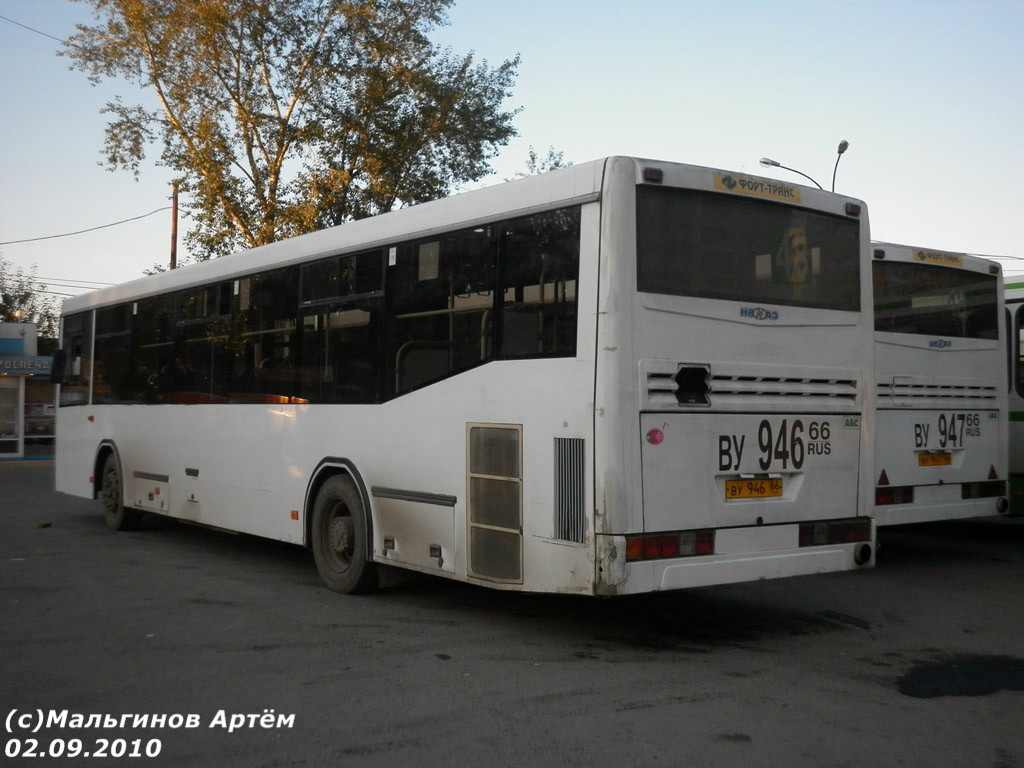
<point x="835" y="532"/>
<point x="903" y="494"/>
<point x="983" y="490"/>
<point x="655" y="546"/>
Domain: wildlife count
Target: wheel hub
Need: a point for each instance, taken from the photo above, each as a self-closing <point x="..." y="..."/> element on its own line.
<point x="341" y="535"/>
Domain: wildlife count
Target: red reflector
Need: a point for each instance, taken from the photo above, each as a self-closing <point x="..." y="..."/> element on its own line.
<point x="656" y="546"/>
<point x="992" y="473"/>
<point x="655" y="436"/>
<point x="705" y="542"/>
<point x="897" y="495"/>
<point x="670" y="545"/>
<point x="883" y="479"/>
<point x="634" y="547"/>
<point x="835" y="532"/>
<point x="982" y="490"/>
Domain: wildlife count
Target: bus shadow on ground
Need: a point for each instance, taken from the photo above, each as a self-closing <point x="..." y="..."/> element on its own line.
<point x="982" y="539"/>
<point x="687" y="621"/>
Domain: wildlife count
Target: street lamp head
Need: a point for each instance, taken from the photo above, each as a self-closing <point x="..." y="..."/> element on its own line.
<point x="843" y="146"/>
<point x="768" y="162"/>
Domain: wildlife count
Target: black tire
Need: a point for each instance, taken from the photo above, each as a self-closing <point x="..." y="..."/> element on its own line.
<point x="339" y="538"/>
<point x="117" y="515"/>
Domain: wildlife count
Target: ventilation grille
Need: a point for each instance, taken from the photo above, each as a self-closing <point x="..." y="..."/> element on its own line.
<point x="772" y="386"/>
<point x="495" y="502"/>
<point x="927" y="393"/>
<point x="570" y="503"/>
<point x="670" y="389"/>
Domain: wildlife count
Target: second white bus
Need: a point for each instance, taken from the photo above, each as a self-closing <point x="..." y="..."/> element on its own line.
<point x="1015" y="358"/>
<point x="940" y="367"/>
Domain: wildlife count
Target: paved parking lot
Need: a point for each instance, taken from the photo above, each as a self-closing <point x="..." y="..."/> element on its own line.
<point x="919" y="662"/>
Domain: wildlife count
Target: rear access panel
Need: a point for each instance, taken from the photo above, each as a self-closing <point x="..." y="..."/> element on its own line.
<point x="720" y="470"/>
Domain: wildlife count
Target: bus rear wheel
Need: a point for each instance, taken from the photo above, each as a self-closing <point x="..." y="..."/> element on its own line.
<point x="117" y="515"/>
<point x="339" y="538"/>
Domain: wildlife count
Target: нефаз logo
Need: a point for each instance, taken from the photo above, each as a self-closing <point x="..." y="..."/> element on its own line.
<point x="940" y="343"/>
<point x="759" y="313"/>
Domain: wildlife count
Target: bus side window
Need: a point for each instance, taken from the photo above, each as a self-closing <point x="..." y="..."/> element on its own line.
<point x="1019" y="335"/>
<point x="112" y="367"/>
<point x="440" y="307"/>
<point x="539" y="267"/>
<point x="77" y="349"/>
<point x="264" y="337"/>
<point x="340" y="315"/>
<point x="1009" y="349"/>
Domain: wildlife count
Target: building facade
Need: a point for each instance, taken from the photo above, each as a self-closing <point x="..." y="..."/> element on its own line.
<point x="26" y="394"/>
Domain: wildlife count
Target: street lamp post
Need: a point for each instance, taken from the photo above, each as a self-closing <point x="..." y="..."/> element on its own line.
<point x="843" y="146"/>
<point x="769" y="163"/>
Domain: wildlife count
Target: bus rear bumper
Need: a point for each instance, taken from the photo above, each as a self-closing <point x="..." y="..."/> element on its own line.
<point x="741" y="563"/>
<point x="725" y="569"/>
<point x="903" y="514"/>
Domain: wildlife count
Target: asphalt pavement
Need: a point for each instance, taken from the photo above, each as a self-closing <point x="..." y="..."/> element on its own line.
<point x="918" y="662"/>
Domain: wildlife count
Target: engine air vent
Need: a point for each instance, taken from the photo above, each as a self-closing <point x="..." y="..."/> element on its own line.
<point x="495" y="478"/>
<point x="692" y="385"/>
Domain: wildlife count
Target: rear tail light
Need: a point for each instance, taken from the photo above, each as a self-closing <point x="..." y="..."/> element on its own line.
<point x="983" y="490"/>
<point x="894" y="495"/>
<point x="656" y="546"/>
<point x="835" y="532"/>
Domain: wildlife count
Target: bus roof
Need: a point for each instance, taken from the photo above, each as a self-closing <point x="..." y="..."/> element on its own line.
<point x="939" y="258"/>
<point x="573" y="185"/>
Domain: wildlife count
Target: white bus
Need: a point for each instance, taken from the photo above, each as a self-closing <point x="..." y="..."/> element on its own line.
<point x="1015" y="355"/>
<point x="620" y="377"/>
<point x="940" y="367"/>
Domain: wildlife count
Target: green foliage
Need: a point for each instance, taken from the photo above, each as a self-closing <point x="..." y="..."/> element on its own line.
<point x="284" y="116"/>
<point x="22" y="300"/>
<point x="536" y="164"/>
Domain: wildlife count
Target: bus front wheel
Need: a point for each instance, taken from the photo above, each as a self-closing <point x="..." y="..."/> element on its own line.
<point x="117" y="515"/>
<point x="339" y="538"/>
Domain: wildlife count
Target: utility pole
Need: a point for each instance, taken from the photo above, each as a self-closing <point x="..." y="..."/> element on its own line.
<point x="174" y="226"/>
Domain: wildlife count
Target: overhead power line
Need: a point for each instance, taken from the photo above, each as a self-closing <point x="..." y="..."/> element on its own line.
<point x="71" y="280"/>
<point x="82" y="231"/>
<point x="31" y="29"/>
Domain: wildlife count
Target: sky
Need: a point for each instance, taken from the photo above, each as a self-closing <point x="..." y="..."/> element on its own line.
<point x="928" y="93"/>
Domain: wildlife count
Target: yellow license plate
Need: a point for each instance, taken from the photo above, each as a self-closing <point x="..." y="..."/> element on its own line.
<point x="758" y="488"/>
<point x="934" y="459"/>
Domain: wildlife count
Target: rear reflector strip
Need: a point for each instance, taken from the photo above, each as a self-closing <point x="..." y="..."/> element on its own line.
<point x="983" y="490"/>
<point x="835" y="532"/>
<point x="656" y="546"/>
<point x="903" y="494"/>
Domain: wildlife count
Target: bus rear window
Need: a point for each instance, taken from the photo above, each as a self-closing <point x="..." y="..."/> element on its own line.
<point x="716" y="246"/>
<point x="934" y="301"/>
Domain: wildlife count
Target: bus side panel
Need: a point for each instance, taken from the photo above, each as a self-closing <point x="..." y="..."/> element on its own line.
<point x="76" y="445"/>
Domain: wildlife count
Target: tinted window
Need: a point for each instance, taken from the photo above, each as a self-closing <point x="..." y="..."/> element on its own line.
<point x="718" y="246"/>
<point x="341" y="329"/>
<point x="77" y="347"/>
<point x="328" y="332"/>
<point x="112" y="368"/>
<point x="540" y="260"/>
<point x="440" y="307"/>
<point x="265" y="364"/>
<point x="1019" y="335"/>
<point x="934" y="301"/>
